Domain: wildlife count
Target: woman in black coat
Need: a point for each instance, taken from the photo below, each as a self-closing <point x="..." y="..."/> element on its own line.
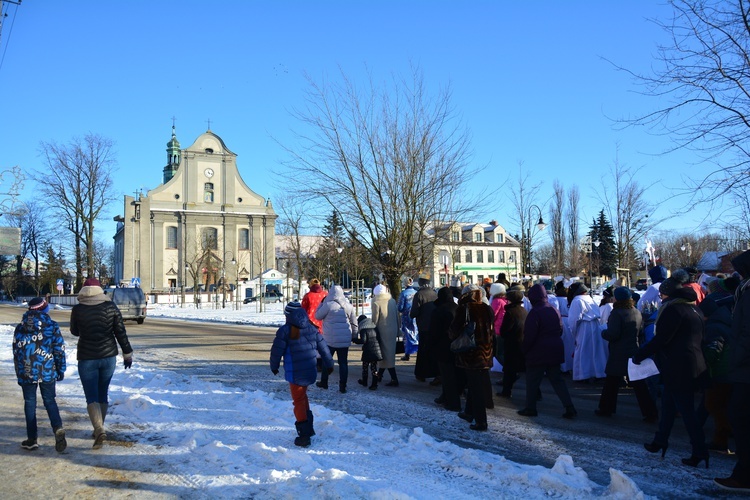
<point x="454" y="379"/>
<point x="679" y="331"/>
<point x="511" y="333"/>
<point x="623" y="326"/>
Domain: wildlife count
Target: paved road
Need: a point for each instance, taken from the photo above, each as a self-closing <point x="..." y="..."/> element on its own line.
<point x="237" y="355"/>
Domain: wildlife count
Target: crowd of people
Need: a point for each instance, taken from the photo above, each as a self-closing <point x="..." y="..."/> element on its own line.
<point x="698" y="335"/>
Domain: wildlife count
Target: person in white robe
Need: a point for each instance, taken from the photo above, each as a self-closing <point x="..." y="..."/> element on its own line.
<point x="591" y="350"/>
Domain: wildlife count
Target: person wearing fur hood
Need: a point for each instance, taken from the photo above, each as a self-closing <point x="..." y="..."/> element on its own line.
<point x="98" y="324"/>
<point x="478" y="361"/>
<point x="385" y="316"/>
<point x="339" y="328"/>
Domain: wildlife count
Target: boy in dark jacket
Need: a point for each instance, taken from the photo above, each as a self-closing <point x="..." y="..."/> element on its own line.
<point x="298" y="342"/>
<point x="39" y="358"/>
<point x="371" y="353"/>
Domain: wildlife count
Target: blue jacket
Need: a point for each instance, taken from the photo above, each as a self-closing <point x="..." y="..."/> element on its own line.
<point x="38" y="349"/>
<point x="298" y="342"/>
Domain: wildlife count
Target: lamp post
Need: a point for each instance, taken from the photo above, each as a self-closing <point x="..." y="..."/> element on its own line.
<point x="528" y="237"/>
<point x="587" y="246"/>
<point x="341" y="267"/>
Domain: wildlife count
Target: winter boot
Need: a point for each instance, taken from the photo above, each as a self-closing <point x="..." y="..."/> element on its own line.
<point x="363" y="380"/>
<point x="570" y="412"/>
<point x="374" y="384"/>
<point x="342" y="387"/>
<point x="303" y="435"/>
<point x="104" y="407"/>
<point x="311" y="419"/>
<point x="95" y="415"/>
<point x="60" y="442"/>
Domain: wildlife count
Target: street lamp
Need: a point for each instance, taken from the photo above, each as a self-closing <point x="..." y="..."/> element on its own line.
<point x="587" y="246"/>
<point x="341" y="268"/>
<point x="528" y="237"/>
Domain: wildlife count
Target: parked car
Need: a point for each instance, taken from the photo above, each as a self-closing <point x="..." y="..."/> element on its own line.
<point x="268" y="297"/>
<point x="131" y="302"/>
<point x="641" y="284"/>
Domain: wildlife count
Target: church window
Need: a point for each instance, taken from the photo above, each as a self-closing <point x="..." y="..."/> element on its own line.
<point x="171" y="237"/>
<point x="244" y="239"/>
<point x="208" y="192"/>
<point x="210" y="238"/>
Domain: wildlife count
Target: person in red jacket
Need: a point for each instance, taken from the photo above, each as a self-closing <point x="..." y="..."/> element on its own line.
<point x="312" y="300"/>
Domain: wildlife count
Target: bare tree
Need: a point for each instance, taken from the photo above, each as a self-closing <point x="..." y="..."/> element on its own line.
<point x="629" y="211"/>
<point x="557" y="228"/>
<point x="36" y="234"/>
<point x="701" y="82"/>
<point x="571" y="217"/>
<point x="391" y="159"/>
<point x="523" y="202"/>
<point x="292" y="217"/>
<point x="79" y="177"/>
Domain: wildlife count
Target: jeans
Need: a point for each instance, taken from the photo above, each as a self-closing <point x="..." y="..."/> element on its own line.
<point x="47" y="389"/>
<point x="341" y="357"/>
<point x="95" y="375"/>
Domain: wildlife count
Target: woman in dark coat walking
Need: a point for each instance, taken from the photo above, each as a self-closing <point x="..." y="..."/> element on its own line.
<point x="479" y="360"/>
<point x="623" y="326"/>
<point x="543" y="347"/>
<point x="679" y="331"/>
<point x="511" y="332"/>
<point x="454" y="379"/>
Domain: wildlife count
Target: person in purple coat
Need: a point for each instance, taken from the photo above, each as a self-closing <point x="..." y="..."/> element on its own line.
<point x="543" y="347"/>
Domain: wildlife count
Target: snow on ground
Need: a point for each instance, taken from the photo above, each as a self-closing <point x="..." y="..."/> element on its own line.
<point x="221" y="440"/>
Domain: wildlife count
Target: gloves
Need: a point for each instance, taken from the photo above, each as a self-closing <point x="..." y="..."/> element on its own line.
<point x="330" y="370"/>
<point x="275" y="372"/>
<point x="636" y="361"/>
<point x="60" y="376"/>
<point x="127" y="360"/>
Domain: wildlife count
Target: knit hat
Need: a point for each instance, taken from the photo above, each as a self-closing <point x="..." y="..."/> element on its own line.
<point x="582" y="288"/>
<point x="730" y="284"/>
<point x="669" y="286"/>
<point x="290" y="307"/>
<point x="622" y="293"/>
<point x="37" y="304"/>
<point x="496" y="289"/>
<point x="315" y="281"/>
<point x="657" y="274"/>
<point x="91" y="282"/>
<point x="515" y="295"/>
<point x="548" y="285"/>
<point x="379" y="289"/>
<point x="708" y="307"/>
<point x="713" y="285"/>
<point x="681" y="276"/>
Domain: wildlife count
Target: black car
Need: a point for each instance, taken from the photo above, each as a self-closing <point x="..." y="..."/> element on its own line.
<point x="641" y="284"/>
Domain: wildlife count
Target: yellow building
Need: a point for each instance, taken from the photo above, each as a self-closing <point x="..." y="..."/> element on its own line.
<point x="203" y="226"/>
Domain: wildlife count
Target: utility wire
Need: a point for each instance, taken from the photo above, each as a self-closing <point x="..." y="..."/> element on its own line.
<point x="13" y="21"/>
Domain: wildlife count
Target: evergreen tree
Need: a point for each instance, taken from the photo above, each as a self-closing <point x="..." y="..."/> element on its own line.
<point x="605" y="255"/>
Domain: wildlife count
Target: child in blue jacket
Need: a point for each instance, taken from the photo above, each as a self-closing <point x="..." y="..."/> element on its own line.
<point x="39" y="359"/>
<point x="298" y="342"/>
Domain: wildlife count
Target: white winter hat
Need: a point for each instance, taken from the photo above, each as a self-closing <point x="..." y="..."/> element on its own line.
<point x="379" y="290"/>
<point x="496" y="288"/>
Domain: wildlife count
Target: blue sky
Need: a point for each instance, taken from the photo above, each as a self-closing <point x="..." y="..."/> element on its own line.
<point x="529" y="80"/>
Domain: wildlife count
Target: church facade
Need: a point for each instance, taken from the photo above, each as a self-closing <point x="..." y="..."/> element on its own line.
<point x="203" y="228"/>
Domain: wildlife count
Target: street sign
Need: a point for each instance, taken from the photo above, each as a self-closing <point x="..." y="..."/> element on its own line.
<point x="135" y="282"/>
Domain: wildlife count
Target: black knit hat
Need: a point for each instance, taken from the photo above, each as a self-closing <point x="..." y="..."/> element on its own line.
<point x="669" y="286"/>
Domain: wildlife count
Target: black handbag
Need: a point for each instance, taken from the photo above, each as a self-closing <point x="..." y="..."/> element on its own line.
<point x="400" y="349"/>
<point x="465" y="342"/>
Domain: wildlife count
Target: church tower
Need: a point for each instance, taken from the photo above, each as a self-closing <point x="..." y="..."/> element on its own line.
<point x="173" y="157"/>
